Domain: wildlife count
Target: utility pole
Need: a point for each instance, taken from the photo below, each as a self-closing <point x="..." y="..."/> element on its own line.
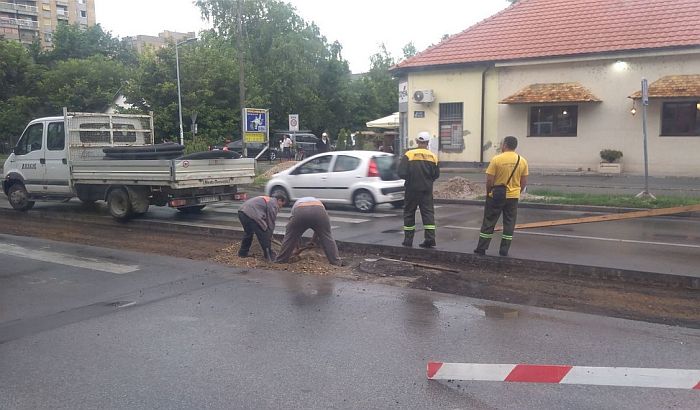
<point x="241" y="76"/>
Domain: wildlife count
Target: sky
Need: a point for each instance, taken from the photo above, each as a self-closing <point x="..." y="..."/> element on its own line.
<point x="360" y="26"/>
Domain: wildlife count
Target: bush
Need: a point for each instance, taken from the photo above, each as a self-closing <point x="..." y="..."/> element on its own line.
<point x="199" y="146"/>
<point x="610" y="155"/>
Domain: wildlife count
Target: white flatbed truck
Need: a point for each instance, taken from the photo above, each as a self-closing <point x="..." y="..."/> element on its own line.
<point x="59" y="158"/>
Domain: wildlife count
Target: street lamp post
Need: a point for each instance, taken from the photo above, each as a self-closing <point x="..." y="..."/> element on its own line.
<point x="179" y="96"/>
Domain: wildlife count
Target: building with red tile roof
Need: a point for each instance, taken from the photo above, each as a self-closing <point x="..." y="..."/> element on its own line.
<point x="535" y="29"/>
<point x="564" y="77"/>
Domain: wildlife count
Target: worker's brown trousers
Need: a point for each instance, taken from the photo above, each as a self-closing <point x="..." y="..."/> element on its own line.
<point x="309" y="217"/>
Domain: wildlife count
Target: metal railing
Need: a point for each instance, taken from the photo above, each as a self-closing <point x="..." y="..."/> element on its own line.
<point x="22" y="23"/>
<point x="18" y="7"/>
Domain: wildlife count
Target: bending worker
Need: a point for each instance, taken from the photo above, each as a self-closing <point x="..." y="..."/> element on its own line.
<point x="419" y="167"/>
<point x="309" y="213"/>
<point x="257" y="216"/>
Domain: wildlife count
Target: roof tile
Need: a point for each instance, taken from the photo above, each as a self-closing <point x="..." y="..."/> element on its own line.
<point x="673" y="86"/>
<point x="552" y="93"/>
<point x="551" y="28"/>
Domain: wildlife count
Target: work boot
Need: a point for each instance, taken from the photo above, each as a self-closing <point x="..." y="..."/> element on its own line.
<point x="429" y="241"/>
<point x="408" y="238"/>
<point x="482" y="246"/>
<point x="505" y="246"/>
<point x="427" y="244"/>
<point x="269" y="255"/>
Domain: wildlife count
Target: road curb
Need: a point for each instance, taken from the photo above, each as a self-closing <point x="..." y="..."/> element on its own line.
<point x="399" y="252"/>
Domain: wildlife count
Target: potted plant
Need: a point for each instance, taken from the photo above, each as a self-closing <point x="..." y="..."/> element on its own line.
<point x="611" y="162"/>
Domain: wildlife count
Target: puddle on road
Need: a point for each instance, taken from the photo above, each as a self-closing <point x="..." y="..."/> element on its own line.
<point x="499" y="312"/>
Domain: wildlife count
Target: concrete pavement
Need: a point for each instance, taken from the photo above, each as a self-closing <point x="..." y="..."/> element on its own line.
<point x="181" y="334"/>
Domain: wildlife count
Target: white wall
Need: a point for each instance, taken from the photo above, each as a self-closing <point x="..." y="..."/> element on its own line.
<point x="608" y="124"/>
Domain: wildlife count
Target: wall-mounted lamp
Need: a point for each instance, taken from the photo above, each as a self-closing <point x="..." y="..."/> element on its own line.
<point x="621" y="65"/>
<point x="634" y="108"/>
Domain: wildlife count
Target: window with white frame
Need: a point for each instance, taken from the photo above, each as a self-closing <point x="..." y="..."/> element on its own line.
<point x="451" y="126"/>
<point x="553" y="121"/>
<point x="681" y="119"/>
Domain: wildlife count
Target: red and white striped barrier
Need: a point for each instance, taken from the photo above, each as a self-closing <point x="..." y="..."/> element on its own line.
<point x="597" y="376"/>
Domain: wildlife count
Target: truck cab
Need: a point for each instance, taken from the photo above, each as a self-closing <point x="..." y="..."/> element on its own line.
<point x="38" y="166"/>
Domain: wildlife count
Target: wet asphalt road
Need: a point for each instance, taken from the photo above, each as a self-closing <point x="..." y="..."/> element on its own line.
<point x="662" y="244"/>
<point x="86" y="328"/>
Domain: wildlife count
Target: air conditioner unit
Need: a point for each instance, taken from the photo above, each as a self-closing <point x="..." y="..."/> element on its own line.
<point x="423" y="96"/>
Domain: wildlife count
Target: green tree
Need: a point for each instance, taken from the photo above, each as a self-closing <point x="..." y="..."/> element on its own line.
<point x="409" y="50"/>
<point x="209" y="87"/>
<point x="290" y="67"/>
<point x="377" y="92"/>
<point x="88" y="84"/>
<point x="72" y="41"/>
<point x="19" y="76"/>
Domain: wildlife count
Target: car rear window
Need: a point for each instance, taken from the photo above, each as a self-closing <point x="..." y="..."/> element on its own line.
<point x="345" y="163"/>
<point x="387" y="167"/>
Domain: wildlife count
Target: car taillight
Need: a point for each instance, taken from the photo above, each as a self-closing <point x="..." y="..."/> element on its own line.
<point x="373" y="171"/>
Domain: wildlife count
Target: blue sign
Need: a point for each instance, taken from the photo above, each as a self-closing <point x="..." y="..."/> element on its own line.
<point x="256" y="120"/>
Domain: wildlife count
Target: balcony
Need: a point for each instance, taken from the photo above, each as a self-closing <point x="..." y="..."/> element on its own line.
<point x="19" y="8"/>
<point x="19" y="23"/>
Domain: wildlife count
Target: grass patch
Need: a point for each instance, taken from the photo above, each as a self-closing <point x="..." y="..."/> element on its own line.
<point x="260" y="181"/>
<point x="622" y="201"/>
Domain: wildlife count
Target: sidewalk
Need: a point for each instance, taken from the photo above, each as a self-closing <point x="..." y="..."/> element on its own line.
<point x="592" y="183"/>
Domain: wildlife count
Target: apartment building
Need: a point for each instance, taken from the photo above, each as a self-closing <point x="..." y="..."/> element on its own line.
<point x="142" y="42"/>
<point x="26" y="20"/>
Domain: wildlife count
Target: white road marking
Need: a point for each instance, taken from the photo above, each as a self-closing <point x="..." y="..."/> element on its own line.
<point x="65" y="259"/>
<point x="595" y="238"/>
<point x="278" y="225"/>
<point x="288" y="215"/>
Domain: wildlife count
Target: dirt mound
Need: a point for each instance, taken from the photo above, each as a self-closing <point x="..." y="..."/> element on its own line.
<point x="278" y="168"/>
<point x="457" y="188"/>
<point x="311" y="261"/>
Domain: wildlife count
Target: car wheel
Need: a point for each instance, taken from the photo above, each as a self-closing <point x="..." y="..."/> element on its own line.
<point x="397" y="204"/>
<point x="273" y="155"/>
<point x="19" y="197"/>
<point x="191" y="209"/>
<point x="119" y="204"/>
<point x="363" y="201"/>
<point x="278" y="190"/>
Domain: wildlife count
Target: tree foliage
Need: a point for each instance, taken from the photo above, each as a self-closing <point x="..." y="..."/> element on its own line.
<point x="290" y="68"/>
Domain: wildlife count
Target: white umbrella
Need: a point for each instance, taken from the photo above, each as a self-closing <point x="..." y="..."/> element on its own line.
<point x="390" y="121"/>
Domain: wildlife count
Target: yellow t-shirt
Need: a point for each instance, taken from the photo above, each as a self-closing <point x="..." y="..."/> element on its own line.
<point x="501" y="166"/>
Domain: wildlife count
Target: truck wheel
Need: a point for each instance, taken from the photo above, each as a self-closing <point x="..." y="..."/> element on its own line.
<point x="363" y="201"/>
<point x="19" y="197"/>
<point x="191" y="209"/>
<point x="119" y="204"/>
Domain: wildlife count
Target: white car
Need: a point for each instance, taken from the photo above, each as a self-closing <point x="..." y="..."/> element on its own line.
<point x="363" y="179"/>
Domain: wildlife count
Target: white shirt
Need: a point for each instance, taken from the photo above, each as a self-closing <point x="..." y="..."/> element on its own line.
<point x="287" y="143"/>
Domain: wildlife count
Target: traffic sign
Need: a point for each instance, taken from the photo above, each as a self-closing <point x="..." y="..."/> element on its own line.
<point x="293" y="122"/>
<point x="256" y="129"/>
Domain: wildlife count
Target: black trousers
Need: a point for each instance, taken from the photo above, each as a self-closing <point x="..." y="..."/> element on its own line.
<point x="492" y="212"/>
<point x="250" y="227"/>
<point x="422" y="200"/>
